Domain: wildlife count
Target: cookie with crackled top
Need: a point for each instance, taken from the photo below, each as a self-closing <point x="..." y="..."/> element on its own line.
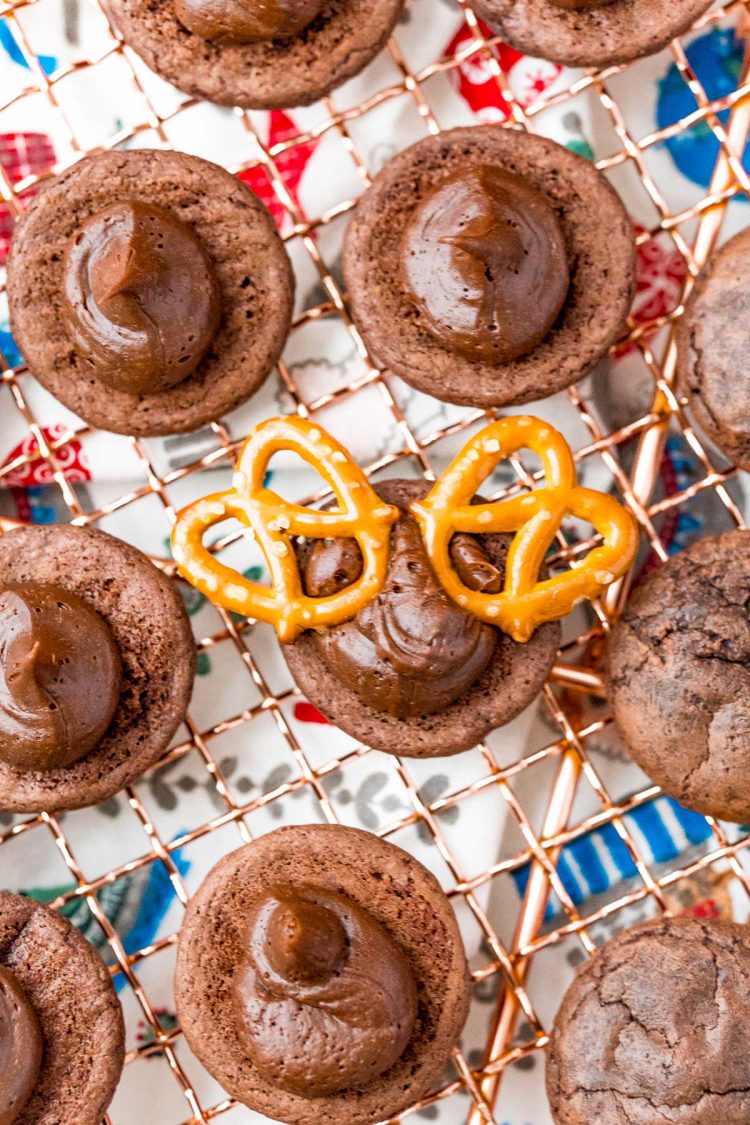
<point x="679" y="676"/>
<point x="655" y="1028"/>
<point x="712" y="341"/>
<point x="307" y="980"/>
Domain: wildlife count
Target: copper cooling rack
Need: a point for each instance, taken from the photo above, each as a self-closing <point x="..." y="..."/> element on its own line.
<point x="694" y="233"/>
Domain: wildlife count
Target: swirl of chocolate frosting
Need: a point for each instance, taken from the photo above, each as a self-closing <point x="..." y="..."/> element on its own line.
<point x="411" y="651"/>
<point x="20" y="1047"/>
<point x="483" y="258"/>
<point x="581" y="5"/>
<point x="60" y="677"/>
<point x="141" y="298"/>
<point x="246" y="21"/>
<point x="326" y="1000"/>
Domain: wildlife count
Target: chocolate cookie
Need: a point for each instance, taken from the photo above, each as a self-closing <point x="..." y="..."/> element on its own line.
<point x="321" y="976"/>
<point x="96" y="666"/>
<point x="487" y="266"/>
<point x="149" y="291"/>
<point x="590" y="32"/>
<point x="438" y="680"/>
<point x="213" y="52"/>
<point x="62" y="1040"/>
<point x="655" y="1029"/>
<point x="679" y="669"/>
<point x="712" y="343"/>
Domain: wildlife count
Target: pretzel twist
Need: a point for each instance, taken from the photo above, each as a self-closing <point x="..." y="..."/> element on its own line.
<point x="360" y="515"/>
<point x="535" y="517"/>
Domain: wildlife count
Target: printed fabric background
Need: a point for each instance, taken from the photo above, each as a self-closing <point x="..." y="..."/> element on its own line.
<point x="245" y="765"/>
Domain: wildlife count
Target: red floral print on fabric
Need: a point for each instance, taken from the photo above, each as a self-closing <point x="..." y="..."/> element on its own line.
<point x="660" y="279"/>
<point x="477" y="83"/>
<point x="709" y="909"/>
<point x="661" y="276"/>
<point x="306" y="713"/>
<point x="20" y="499"/>
<point x="21" y="155"/>
<point x="71" y="458"/>
<point x="291" y="165"/>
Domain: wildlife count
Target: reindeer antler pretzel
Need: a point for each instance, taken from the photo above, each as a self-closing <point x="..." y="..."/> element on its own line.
<point x="535" y="517"/>
<point x="360" y="515"/>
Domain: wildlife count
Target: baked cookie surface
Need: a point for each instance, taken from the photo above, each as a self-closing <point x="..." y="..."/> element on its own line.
<point x="712" y="349"/>
<point x="597" y="36"/>
<point x="273" y="74"/>
<point x="253" y="274"/>
<point x="654" y="1029"/>
<point x="679" y="674"/>
<point x="372" y="876"/>
<point x="598" y="240"/>
<point x="150" y="626"/>
<point x="72" y="995"/>
<point x="512" y="679"/>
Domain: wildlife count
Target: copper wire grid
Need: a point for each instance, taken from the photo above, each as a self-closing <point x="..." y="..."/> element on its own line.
<point x="694" y="232"/>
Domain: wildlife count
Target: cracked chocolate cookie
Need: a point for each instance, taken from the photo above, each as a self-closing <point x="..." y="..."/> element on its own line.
<point x="488" y="266"/>
<point x="62" y="1040"/>
<point x="261" y="56"/>
<point x="413" y="673"/>
<point x="712" y="340"/>
<point x="595" y="33"/>
<point x="655" y="1029"/>
<point x="149" y="291"/>
<point x="96" y="666"/>
<point x="679" y="673"/>
<point x="321" y="977"/>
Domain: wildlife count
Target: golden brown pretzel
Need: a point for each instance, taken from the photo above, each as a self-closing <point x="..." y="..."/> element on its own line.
<point x="535" y="517"/>
<point x="360" y="515"/>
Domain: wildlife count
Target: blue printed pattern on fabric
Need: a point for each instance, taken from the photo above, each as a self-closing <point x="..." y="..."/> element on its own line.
<point x="48" y="63"/>
<point x="689" y="524"/>
<point x="600" y="860"/>
<point x="8" y="345"/>
<point x="716" y="58"/>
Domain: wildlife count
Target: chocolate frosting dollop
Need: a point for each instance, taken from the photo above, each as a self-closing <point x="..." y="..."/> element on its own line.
<point x="483" y="259"/>
<point x="141" y="298"/>
<point x="411" y="651"/>
<point x="60" y="677"/>
<point x="246" y="21"/>
<point x="326" y="1001"/>
<point x="20" y="1047"/>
